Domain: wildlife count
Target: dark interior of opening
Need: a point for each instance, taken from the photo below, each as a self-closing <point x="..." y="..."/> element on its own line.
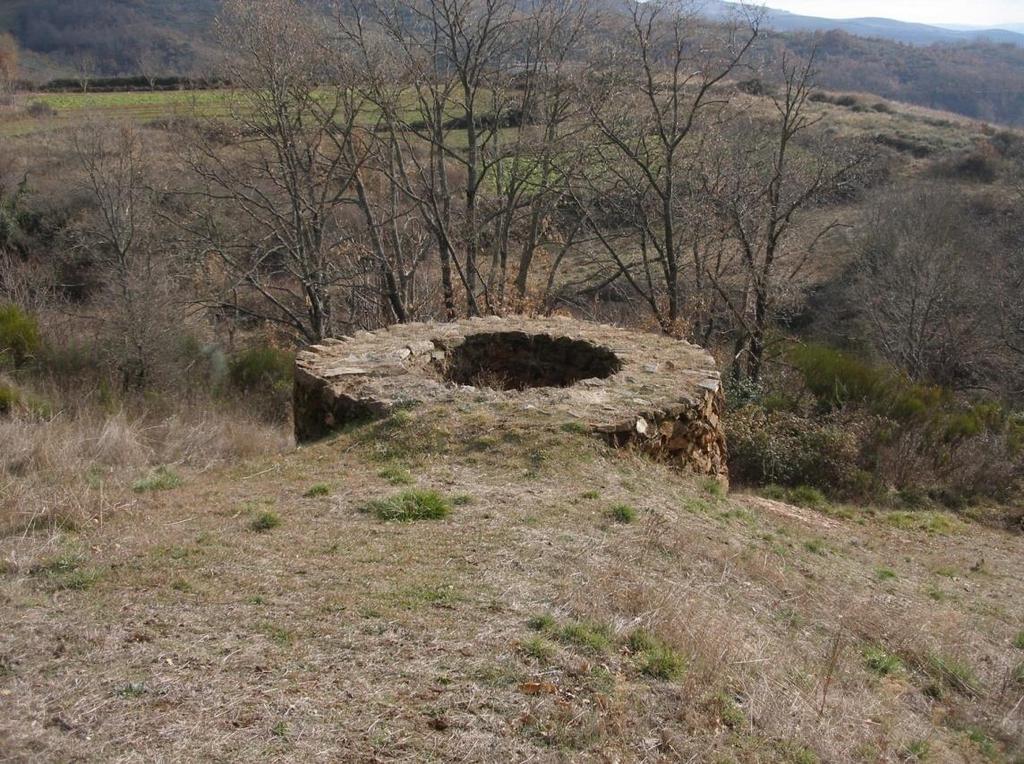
<point x="517" y="361"/>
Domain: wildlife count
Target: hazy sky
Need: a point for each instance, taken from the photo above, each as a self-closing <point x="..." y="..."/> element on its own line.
<point x="976" y="12"/>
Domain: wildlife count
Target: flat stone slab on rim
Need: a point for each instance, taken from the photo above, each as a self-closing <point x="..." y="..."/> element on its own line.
<point x="665" y="398"/>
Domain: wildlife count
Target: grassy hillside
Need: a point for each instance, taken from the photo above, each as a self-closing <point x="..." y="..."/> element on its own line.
<point x="977" y="78"/>
<point x="576" y="602"/>
<point x="114" y="35"/>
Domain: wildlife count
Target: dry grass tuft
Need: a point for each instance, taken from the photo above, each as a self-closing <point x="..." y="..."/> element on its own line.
<point x="75" y="468"/>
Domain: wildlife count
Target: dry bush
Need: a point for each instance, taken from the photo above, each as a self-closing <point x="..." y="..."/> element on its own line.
<point x="76" y="467"/>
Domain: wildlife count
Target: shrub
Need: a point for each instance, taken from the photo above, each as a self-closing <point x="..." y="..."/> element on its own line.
<point x="807" y="496"/>
<point x="977" y="167"/>
<point x="791" y="450"/>
<point x="261" y="369"/>
<point x="40" y="110"/>
<point x="264" y="374"/>
<point x="19" y="334"/>
<point x="837" y="379"/>
<point x="410" y="506"/>
<point x="10" y="397"/>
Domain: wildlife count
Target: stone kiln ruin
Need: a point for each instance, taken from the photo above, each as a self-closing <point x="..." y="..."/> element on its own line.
<point x="644" y="391"/>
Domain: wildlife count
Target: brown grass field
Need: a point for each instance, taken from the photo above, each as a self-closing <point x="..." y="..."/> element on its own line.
<point x="577" y="604"/>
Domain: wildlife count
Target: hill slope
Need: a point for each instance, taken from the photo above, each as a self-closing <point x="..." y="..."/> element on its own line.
<point x="887" y="29"/>
<point x="536" y="622"/>
<point x="115" y="33"/>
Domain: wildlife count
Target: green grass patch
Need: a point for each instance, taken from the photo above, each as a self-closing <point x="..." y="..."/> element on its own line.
<point x="654" y="658"/>
<point x="593" y="637"/>
<point x="67" y="572"/>
<point x="320" y="489"/>
<point x="278" y="634"/>
<point x="916" y="750"/>
<point x="662" y="663"/>
<point x="410" y="506"/>
<point x="543" y="622"/>
<point x="623" y="513"/>
<point x="395" y="475"/>
<point x="1018" y="640"/>
<point x="416" y="597"/>
<point x="815" y="546"/>
<point x="161" y="479"/>
<point x="590" y="495"/>
<point x="539" y="648"/>
<point x="576" y="428"/>
<point x="881" y="662"/>
<point x="402" y="438"/>
<point x="131" y="690"/>
<point x="986" y="745"/>
<point x="953" y="673"/>
<point x="714" y="488"/>
<point x="265" y="521"/>
<point x="936" y="523"/>
<point x="884" y="574"/>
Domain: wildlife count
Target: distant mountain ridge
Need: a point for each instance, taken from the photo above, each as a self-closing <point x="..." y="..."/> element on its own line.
<point x="882" y="28"/>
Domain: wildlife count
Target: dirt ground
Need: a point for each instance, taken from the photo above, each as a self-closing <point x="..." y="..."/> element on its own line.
<point x="577" y="604"/>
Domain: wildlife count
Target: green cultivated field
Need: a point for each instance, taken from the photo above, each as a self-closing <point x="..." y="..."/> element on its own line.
<point x="72" y="108"/>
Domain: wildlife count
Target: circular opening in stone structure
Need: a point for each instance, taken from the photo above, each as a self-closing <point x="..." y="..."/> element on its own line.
<point x="518" y="361"/>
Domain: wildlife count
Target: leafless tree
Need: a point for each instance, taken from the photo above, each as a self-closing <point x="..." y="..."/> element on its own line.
<point x="85" y="69"/>
<point x="774" y="176"/>
<point x="8" y="63"/>
<point x="274" y="214"/>
<point x="149" y="64"/>
<point x="135" y="311"/>
<point x="928" y="284"/>
<point x="450" y="74"/>
<point x="654" y="92"/>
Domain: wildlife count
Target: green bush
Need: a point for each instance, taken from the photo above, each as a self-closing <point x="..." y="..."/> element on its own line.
<point x="837" y="379"/>
<point x="19" y="334"/>
<point x="790" y="450"/>
<point x="263" y="369"/>
<point x="9" y="398"/>
<point x="264" y="376"/>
